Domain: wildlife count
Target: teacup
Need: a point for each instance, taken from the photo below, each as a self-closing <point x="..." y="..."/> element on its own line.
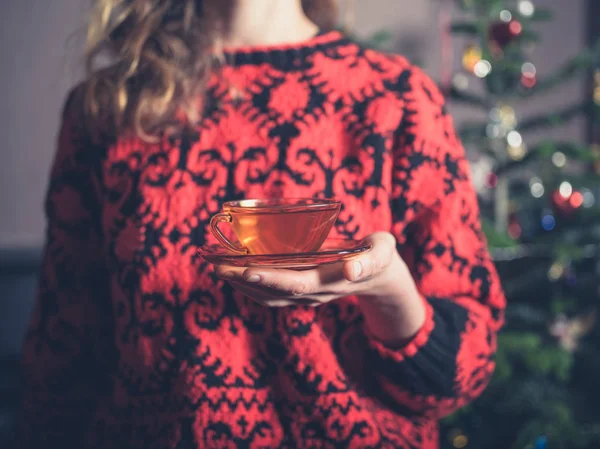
<point x="276" y="226"/>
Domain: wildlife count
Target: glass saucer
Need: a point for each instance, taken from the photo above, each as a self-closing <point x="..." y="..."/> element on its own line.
<point x="333" y="250"/>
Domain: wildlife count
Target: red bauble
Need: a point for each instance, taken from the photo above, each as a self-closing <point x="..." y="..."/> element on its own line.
<point x="491" y="180"/>
<point x="528" y="80"/>
<point x="503" y="33"/>
<point x="566" y="206"/>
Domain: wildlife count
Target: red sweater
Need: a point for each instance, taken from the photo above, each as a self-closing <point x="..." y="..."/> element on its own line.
<point x="134" y="343"/>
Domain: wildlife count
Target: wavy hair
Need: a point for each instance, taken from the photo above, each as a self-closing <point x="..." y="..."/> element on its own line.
<point x="159" y="55"/>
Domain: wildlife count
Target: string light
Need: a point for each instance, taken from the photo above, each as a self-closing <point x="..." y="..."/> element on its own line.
<point x="537" y="189"/>
<point x="576" y="199"/>
<point x="505" y="15"/>
<point x="515" y="27"/>
<point x="596" y="94"/>
<point x="516" y="147"/>
<point x="471" y="56"/>
<point x="526" y="8"/>
<point x="460" y="441"/>
<point x="483" y="68"/>
<point x="565" y="189"/>
<point x="541" y="442"/>
<point x="559" y="159"/>
<point x="556" y="271"/>
<point x="518" y="152"/>
<point x="528" y="69"/>
<point x="493" y="131"/>
<point x="508" y="116"/>
<point x="495" y="115"/>
<point x="528" y="81"/>
<point x="588" y="198"/>
<point x="548" y="222"/>
<point x="528" y="75"/>
<point x="460" y="81"/>
<point x="514" y="139"/>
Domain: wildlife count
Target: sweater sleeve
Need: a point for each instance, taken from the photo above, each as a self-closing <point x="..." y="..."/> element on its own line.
<point x="66" y="344"/>
<point x="436" y="223"/>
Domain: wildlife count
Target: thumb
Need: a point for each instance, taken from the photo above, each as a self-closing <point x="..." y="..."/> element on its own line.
<point x="374" y="261"/>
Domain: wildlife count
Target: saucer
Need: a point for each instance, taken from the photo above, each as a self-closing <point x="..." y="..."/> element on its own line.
<point x="333" y="250"/>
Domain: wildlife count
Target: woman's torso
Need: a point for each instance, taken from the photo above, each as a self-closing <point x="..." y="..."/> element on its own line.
<point x="198" y="363"/>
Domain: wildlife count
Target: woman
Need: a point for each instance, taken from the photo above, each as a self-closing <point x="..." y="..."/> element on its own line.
<point x="136" y="342"/>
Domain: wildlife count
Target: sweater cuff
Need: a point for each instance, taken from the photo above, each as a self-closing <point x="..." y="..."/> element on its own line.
<point x="427" y="365"/>
<point x="410" y="348"/>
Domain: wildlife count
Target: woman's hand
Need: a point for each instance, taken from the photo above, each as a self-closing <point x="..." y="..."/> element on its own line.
<point x="391" y="304"/>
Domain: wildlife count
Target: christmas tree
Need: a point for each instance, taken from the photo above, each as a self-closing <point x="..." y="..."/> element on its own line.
<point x="539" y="202"/>
<point x="540" y="206"/>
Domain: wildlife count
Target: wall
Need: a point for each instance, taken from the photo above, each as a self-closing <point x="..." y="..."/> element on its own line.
<point x="36" y="71"/>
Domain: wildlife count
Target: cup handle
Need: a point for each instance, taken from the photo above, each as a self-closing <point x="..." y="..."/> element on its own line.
<point x="224" y="217"/>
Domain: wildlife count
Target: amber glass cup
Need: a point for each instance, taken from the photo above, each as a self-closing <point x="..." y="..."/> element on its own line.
<point x="276" y="226"/>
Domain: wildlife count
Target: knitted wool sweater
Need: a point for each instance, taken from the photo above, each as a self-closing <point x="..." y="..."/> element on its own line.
<point x="135" y="343"/>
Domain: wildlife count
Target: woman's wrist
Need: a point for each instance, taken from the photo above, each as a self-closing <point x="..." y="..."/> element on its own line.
<point x="393" y="308"/>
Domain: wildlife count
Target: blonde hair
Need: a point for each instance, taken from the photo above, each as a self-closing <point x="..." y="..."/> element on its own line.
<point x="159" y="55"/>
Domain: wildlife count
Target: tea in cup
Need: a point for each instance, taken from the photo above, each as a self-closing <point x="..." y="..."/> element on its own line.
<point x="276" y="226"/>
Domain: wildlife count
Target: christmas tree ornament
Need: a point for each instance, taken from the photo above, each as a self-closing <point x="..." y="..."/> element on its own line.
<point x="482" y="175"/>
<point x="528" y="75"/>
<point x="471" y="56"/>
<point x="514" y="227"/>
<point x="561" y="201"/>
<point x="528" y="81"/>
<point x="503" y="33"/>
<point x="491" y="180"/>
<point x="569" y="331"/>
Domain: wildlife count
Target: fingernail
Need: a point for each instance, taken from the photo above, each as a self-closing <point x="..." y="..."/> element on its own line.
<point x="253" y="278"/>
<point x="357" y="269"/>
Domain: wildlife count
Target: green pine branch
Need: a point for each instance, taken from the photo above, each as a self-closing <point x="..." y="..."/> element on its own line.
<point x="557" y="118"/>
<point x="470" y="132"/>
<point x="575" y="67"/>
<point x="467" y="98"/>
<point x="544" y="151"/>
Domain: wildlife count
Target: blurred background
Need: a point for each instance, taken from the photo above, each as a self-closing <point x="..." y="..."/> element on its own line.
<point x="523" y="88"/>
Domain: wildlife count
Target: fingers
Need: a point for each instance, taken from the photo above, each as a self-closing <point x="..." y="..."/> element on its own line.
<point x="269" y="300"/>
<point x="278" y="282"/>
<point x="373" y="262"/>
<point x="284" y="287"/>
